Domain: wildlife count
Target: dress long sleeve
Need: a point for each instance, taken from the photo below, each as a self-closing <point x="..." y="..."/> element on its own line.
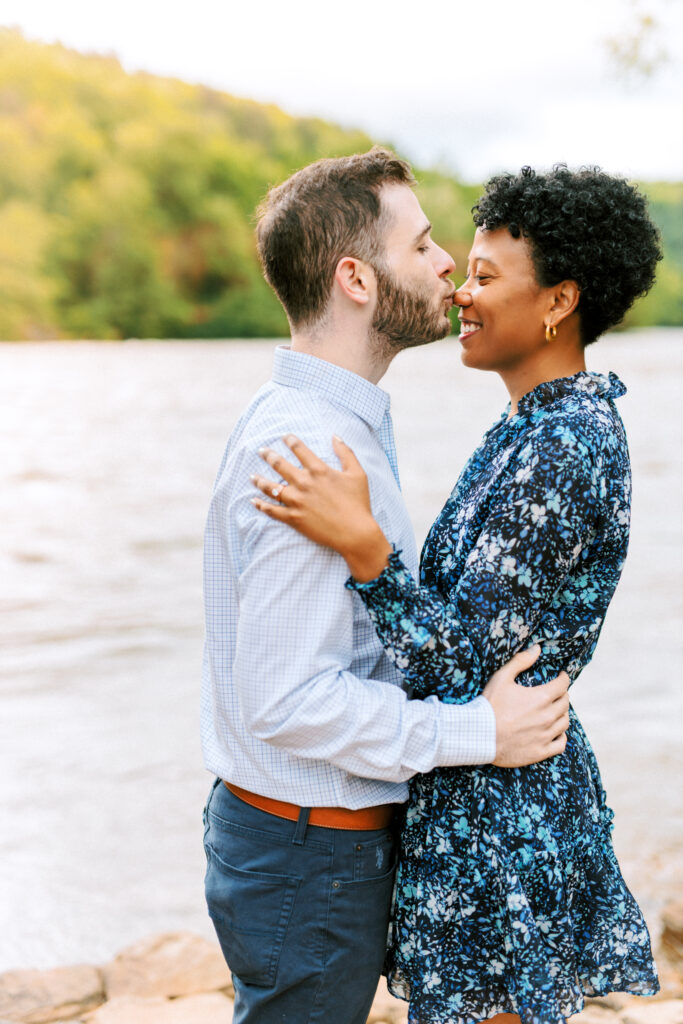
<point x="518" y="584"/>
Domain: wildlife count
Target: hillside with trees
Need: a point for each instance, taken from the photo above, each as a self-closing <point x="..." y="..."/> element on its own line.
<point x="127" y="202"/>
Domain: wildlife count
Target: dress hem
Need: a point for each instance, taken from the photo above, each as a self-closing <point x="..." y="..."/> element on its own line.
<point x="643" y="990"/>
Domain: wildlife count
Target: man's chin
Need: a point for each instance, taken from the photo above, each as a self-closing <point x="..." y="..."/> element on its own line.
<point x="447" y="327"/>
<point x="441" y="331"/>
<point x="421" y="341"/>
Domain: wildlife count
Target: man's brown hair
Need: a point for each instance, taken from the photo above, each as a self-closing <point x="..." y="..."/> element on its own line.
<point x="324" y="212"/>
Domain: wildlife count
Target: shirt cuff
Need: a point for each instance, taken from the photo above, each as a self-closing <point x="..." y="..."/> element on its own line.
<point x="468" y="733"/>
<point x="394" y="568"/>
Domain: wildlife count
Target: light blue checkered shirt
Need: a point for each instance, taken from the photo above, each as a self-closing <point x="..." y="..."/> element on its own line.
<point x="299" y="701"/>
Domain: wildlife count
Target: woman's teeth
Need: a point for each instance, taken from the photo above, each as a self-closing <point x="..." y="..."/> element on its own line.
<point x="466" y="328"/>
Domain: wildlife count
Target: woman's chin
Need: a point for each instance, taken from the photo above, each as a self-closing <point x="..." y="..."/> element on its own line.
<point x="472" y="362"/>
<point x="468" y="357"/>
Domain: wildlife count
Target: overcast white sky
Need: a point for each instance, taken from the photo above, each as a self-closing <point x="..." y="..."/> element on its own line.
<point x="473" y="86"/>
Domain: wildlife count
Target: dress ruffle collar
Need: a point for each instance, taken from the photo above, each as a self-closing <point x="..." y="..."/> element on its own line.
<point x="589" y="383"/>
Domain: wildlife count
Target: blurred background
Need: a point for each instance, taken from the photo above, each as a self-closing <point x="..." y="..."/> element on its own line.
<point x="136" y="141"/>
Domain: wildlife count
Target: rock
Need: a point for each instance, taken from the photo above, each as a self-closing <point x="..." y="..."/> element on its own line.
<point x="669" y="1011"/>
<point x="212" y="1007"/>
<point x="169" y="965"/>
<point x="596" y="1013"/>
<point x="670" y="977"/>
<point x="386" y="1009"/>
<point x="36" y="997"/>
<point x="614" y="1001"/>
<point x="672" y="931"/>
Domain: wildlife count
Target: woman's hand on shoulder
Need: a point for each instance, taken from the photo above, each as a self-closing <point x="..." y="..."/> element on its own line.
<point x="329" y="506"/>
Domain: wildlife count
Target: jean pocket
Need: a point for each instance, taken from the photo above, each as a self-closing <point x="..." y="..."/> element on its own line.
<point x="386" y="878"/>
<point x="205" y="812"/>
<point x="374" y="857"/>
<point x="251" y="912"/>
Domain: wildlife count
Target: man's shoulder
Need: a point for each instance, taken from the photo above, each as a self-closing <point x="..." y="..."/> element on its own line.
<point x="277" y="410"/>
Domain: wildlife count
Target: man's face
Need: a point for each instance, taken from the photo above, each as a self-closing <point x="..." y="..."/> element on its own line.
<point x="414" y="294"/>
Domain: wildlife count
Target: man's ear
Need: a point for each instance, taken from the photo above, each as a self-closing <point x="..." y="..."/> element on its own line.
<point x="565" y="299"/>
<point x="355" y="278"/>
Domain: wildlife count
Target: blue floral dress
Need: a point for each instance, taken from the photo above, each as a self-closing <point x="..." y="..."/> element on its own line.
<point x="509" y="897"/>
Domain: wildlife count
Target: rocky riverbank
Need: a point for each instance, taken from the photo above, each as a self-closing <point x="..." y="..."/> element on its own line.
<point x="180" y="978"/>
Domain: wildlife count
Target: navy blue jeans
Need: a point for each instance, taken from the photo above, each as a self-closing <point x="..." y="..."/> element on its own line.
<point x="301" y="912"/>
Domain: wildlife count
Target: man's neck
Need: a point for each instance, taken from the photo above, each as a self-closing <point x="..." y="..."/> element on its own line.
<point x="351" y="351"/>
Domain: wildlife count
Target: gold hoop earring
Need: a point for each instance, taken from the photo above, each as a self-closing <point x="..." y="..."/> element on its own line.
<point x="550" y="332"/>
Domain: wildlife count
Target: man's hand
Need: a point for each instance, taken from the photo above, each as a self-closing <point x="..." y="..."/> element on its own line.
<point x="531" y="721"/>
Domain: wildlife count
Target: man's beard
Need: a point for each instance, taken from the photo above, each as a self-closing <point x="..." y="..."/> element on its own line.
<point x="405" y="317"/>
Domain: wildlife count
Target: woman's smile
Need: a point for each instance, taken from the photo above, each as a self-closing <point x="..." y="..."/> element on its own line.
<point x="467" y="327"/>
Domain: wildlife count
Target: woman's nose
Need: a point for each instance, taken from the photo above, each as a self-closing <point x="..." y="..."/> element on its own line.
<point x="462" y="297"/>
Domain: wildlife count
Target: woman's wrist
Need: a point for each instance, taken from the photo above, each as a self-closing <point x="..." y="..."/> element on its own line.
<point x="368" y="554"/>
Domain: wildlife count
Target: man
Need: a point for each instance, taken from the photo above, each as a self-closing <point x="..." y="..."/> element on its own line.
<point x="303" y="716"/>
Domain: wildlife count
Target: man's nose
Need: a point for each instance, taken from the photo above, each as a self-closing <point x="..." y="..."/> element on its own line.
<point x="445" y="263"/>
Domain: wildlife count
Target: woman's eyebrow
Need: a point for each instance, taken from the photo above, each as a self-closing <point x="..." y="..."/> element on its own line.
<point x="486" y="259"/>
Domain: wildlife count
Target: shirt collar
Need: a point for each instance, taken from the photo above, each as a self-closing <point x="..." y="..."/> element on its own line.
<point x="579" y="383"/>
<point x="342" y="387"/>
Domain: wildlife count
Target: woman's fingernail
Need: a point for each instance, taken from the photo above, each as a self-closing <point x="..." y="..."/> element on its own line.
<point x="254" y="501"/>
<point x="336" y="437"/>
<point x="289" y="440"/>
<point x="253" y="478"/>
<point x="262" y="452"/>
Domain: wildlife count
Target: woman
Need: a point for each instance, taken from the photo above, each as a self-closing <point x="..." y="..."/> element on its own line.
<point x="509" y="899"/>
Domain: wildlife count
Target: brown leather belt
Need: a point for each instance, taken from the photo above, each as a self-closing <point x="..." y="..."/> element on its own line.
<point x="326" y="817"/>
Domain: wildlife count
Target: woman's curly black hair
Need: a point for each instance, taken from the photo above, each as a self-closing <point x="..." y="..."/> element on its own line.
<point x="584" y="226"/>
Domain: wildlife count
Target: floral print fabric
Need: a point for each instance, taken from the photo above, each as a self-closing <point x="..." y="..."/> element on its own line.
<point x="509" y="897"/>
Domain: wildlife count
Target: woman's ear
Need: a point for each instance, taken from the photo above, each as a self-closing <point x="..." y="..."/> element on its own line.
<point x="355" y="279"/>
<point x="565" y="299"/>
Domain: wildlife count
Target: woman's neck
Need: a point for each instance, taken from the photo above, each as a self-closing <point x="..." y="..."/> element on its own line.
<point x="550" y="364"/>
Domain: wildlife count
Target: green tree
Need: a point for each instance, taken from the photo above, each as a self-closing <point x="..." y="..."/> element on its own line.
<point x="127" y="202"/>
<point x="27" y="292"/>
<point x="111" y="277"/>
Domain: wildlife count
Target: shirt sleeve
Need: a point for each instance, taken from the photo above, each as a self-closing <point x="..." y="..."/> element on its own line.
<point x="542" y="518"/>
<point x="295" y="645"/>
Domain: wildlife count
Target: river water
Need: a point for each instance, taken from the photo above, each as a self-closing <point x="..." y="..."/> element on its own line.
<point x="108" y="457"/>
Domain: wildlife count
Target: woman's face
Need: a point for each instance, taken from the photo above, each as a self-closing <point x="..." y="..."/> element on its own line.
<point x="502" y="306"/>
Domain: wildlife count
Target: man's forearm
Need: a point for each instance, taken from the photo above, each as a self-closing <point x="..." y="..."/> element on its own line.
<point x="296" y="691"/>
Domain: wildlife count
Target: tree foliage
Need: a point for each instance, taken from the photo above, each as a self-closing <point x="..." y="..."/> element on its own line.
<point x="127" y="202"/>
<point x="642" y="48"/>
